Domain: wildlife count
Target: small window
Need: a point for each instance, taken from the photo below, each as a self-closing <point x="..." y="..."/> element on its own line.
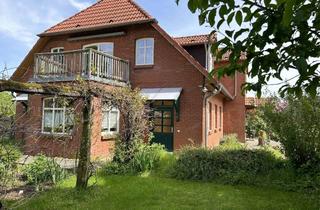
<point x="210" y="116"/>
<point x="145" y="51"/>
<point x="57" y="50"/>
<point x="110" y="120"/>
<point x="57" y="117"/>
<point x="216" y="116"/>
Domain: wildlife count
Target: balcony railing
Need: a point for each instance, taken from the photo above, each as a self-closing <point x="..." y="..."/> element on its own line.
<point x="88" y="64"/>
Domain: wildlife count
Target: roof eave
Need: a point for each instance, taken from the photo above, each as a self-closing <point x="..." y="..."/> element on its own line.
<point x="98" y="27"/>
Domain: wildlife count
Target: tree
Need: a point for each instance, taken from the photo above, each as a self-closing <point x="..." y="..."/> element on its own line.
<point x="81" y="90"/>
<point x="276" y="36"/>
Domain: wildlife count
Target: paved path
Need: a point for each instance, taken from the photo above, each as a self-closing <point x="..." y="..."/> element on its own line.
<point x="63" y="162"/>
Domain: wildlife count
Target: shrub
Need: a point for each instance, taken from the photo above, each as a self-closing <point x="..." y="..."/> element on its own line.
<point x="297" y="124"/>
<point x="44" y="170"/>
<point x="146" y="158"/>
<point x="9" y="155"/>
<point x="230" y="142"/>
<point x="231" y="166"/>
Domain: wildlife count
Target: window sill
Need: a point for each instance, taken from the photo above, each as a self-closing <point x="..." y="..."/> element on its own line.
<point x="143" y="66"/>
<point x="57" y="135"/>
<point x="108" y="136"/>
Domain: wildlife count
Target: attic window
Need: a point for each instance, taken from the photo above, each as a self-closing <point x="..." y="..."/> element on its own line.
<point x="110" y="21"/>
<point x="78" y="25"/>
<point x="192" y="40"/>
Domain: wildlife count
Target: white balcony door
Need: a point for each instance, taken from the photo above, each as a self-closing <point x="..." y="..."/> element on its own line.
<point x="103" y="64"/>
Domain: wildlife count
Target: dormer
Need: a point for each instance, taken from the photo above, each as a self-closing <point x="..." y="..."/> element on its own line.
<point x="199" y="46"/>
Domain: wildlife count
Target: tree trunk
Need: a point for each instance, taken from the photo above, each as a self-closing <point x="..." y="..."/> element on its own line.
<point x="83" y="172"/>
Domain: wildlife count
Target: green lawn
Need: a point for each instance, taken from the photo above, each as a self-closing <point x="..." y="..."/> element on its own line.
<point x="129" y="192"/>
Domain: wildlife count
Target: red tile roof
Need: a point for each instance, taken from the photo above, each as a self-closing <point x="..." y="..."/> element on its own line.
<point x="193" y="40"/>
<point x="105" y="13"/>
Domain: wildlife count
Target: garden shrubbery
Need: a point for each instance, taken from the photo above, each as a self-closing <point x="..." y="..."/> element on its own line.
<point x="145" y="157"/>
<point x="44" y="170"/>
<point x="228" y="165"/>
<point x="9" y="155"/>
<point x="297" y="124"/>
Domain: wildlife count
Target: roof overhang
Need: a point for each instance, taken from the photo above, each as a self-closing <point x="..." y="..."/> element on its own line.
<point x="161" y="93"/>
<point x="21" y="97"/>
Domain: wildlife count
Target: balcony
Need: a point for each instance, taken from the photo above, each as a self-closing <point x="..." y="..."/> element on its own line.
<point x="87" y="64"/>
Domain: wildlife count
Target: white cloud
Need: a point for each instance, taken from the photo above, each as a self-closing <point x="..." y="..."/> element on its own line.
<point x="21" y="21"/>
<point x="79" y="5"/>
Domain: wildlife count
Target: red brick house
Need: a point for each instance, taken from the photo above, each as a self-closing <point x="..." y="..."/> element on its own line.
<point x="116" y="43"/>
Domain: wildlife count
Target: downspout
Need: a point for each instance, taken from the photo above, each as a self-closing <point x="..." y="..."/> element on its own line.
<point x="207" y="95"/>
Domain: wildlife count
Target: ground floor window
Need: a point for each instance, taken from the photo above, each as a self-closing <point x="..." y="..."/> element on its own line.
<point x="110" y="120"/>
<point x="57" y="117"/>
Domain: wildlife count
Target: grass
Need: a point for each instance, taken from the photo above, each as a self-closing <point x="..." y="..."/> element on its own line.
<point x="137" y="192"/>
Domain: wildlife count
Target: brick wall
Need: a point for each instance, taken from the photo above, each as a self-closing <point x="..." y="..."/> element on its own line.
<point x="170" y="69"/>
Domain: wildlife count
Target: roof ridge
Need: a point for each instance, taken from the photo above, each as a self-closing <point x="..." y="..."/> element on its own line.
<point x="177" y="37"/>
<point x="98" y="2"/>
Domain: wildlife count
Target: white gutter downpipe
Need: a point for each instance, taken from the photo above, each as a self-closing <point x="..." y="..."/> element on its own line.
<point x="206" y="97"/>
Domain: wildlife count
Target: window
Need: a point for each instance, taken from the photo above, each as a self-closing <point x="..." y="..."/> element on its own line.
<point x="57" y="50"/>
<point x="216" y="116"/>
<point x="110" y="120"/>
<point x="104" y="64"/>
<point x="57" y="117"/>
<point x="105" y="47"/>
<point x="145" y="51"/>
<point x="220" y="117"/>
<point x="210" y="116"/>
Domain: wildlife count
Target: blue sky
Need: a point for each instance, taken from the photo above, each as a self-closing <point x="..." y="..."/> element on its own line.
<point x="22" y="20"/>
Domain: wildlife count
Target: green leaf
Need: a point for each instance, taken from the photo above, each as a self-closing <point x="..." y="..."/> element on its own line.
<point x="238" y="33"/>
<point x="267" y="2"/>
<point x="220" y="23"/>
<point x="192" y="5"/>
<point x="229" y="33"/>
<point x="212" y="17"/>
<point x="230" y="18"/>
<point x="202" y="18"/>
<point x="239" y="18"/>
<point x="223" y="10"/>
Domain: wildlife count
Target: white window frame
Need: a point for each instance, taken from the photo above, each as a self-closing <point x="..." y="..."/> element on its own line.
<point x="54" y="109"/>
<point x="108" y="132"/>
<point x="57" y="48"/>
<point x="145" y="47"/>
<point x="98" y="44"/>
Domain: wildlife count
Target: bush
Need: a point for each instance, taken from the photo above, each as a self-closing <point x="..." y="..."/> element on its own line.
<point x="9" y="155"/>
<point x="297" y="124"/>
<point x="146" y="158"/>
<point x="230" y="142"/>
<point x="44" y="170"/>
<point x="230" y="166"/>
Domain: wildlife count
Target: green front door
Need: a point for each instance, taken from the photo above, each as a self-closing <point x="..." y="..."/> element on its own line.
<point x="163" y="127"/>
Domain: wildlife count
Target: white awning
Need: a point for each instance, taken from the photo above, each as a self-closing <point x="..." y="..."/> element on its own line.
<point x="161" y="93"/>
<point x="21" y="97"/>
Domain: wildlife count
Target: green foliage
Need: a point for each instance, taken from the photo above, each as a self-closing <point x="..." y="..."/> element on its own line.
<point x="275" y="35"/>
<point x="297" y="123"/>
<point x="147" y="157"/>
<point x="134" y="121"/>
<point x="255" y="123"/>
<point x="7" y="108"/>
<point x="144" y="158"/>
<point x="44" y="170"/>
<point x="230" y="166"/>
<point x="230" y="142"/>
<point x="9" y="155"/>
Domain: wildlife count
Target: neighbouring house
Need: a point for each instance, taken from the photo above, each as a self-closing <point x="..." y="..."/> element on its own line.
<point x="115" y="43"/>
<point x="252" y="103"/>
